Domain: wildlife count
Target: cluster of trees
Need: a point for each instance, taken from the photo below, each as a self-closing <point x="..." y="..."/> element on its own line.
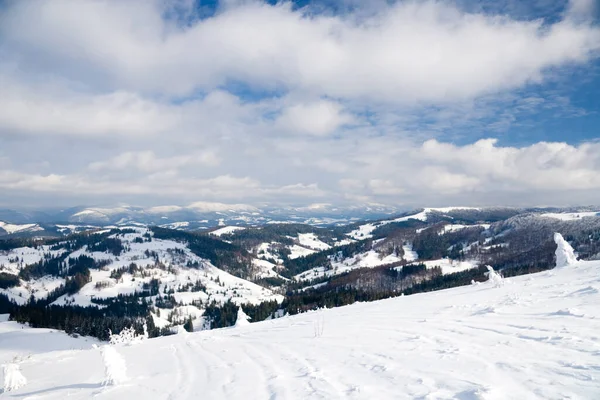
<point x="109" y="245"/>
<point x="131" y="269"/>
<point x="281" y="233"/>
<point x="8" y="280"/>
<point x="323" y="258"/>
<point x="345" y="290"/>
<point x="431" y="244"/>
<point x="86" y="321"/>
<point x="224" y="315"/>
<point x="226" y="256"/>
<point x="586" y="242"/>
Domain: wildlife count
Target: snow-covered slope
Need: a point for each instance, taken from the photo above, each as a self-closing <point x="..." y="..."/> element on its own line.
<point x="570" y="216"/>
<point x="16" y="228"/>
<point x="311" y="241"/>
<point x="535" y="337"/>
<point x="18" y="340"/>
<point x="365" y="231"/>
<point x="178" y="270"/>
<point x="226" y="230"/>
<point x="368" y="259"/>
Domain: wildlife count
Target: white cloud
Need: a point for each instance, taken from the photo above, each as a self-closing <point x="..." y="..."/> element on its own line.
<point x="434" y="168"/>
<point x="267" y="103"/>
<point x="317" y="118"/>
<point x="147" y="161"/>
<point x="384" y="187"/>
<point x="204" y="206"/>
<point x="409" y="52"/>
<point x="331" y="165"/>
<point x="57" y="110"/>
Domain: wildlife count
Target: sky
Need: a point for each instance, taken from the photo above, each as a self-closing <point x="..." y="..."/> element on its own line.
<point x="345" y="102"/>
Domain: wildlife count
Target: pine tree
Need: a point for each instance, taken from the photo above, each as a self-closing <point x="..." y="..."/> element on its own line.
<point x="189" y="325"/>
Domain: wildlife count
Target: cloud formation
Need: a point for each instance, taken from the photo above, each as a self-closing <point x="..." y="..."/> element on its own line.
<point x="108" y="99"/>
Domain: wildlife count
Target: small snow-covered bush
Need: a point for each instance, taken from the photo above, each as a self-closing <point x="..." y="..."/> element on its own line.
<point x="494" y="277"/>
<point x="115" y="371"/>
<point x="13" y="378"/>
<point x="127" y="336"/>
<point x="565" y="255"/>
<point x="242" y="318"/>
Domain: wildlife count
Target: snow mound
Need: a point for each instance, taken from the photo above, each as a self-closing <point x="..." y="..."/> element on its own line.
<point x="13" y="379"/>
<point x="115" y="370"/>
<point x="242" y="318"/>
<point x="494" y="277"/>
<point x="565" y="255"/>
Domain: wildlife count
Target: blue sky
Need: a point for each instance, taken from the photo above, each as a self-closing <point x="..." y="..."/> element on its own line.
<point x="418" y="103"/>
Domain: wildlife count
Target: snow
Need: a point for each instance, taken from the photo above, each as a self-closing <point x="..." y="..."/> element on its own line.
<point x="13" y="379"/>
<point x="20" y="341"/>
<point x="458" y="227"/>
<point x="494" y="277"/>
<point x="409" y="253"/>
<point x="39" y="288"/>
<point x="66" y="229"/>
<point x="571" y="216"/>
<point x="311" y="241"/>
<point x="536" y="337"/>
<point x="299" y="251"/>
<point x="164" y="209"/>
<point x="315" y="286"/>
<point x="423" y="215"/>
<point x="368" y="259"/>
<point x="363" y="232"/>
<point x="343" y="242"/>
<point x="15" y="228"/>
<point x="565" y="256"/>
<point x="173" y="273"/>
<point x="366" y="231"/>
<point x="449" y="266"/>
<point x="265" y="268"/>
<point x="176" y="225"/>
<point x="115" y="370"/>
<point x="242" y="319"/>
<point x="25" y="256"/>
<point x="226" y="230"/>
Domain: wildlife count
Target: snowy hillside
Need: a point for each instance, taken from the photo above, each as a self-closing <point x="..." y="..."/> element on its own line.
<point x="22" y="341"/>
<point x="129" y="262"/>
<point x="534" y="337"/>
<point x="10" y="229"/>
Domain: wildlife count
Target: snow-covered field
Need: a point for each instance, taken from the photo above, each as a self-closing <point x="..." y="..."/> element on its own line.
<point x="571" y="216"/>
<point x="226" y="230"/>
<point x="449" y="266"/>
<point x="17" y="340"/>
<point x="535" y="337"/>
<point x="15" y="228"/>
<point x="311" y="241"/>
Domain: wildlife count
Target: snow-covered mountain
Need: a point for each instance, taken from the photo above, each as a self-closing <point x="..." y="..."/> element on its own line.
<point x="202" y="215"/>
<point x="530" y="337"/>
<point x="130" y="261"/>
<point x="7" y="228"/>
<point x="172" y="272"/>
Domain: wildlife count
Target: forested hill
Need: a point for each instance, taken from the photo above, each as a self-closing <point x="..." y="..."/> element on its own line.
<point x="102" y="278"/>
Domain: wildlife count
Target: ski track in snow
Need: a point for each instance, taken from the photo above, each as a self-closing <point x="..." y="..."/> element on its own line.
<point x="536" y="337"/>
